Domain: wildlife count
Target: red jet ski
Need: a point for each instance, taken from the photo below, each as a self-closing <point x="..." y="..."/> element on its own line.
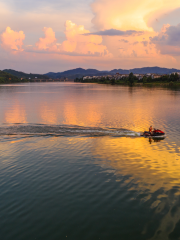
<point x="154" y="133"/>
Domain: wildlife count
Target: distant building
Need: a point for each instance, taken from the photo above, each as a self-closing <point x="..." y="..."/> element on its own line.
<point x="88" y="77"/>
<point x="140" y="77"/>
<point x="156" y="76"/>
<point x="175" y="73"/>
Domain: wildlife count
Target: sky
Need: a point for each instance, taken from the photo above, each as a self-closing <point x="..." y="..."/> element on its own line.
<point x="41" y="36"/>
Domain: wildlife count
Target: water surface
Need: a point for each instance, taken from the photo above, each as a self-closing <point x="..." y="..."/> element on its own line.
<point x="73" y="165"/>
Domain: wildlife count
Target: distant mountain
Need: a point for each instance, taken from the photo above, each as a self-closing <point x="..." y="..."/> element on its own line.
<point x="80" y="72"/>
<point x="76" y="73"/>
<point x="145" y="70"/>
<point x="25" y="75"/>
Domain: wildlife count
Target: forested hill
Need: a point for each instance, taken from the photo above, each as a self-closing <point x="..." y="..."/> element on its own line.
<point x="80" y="72"/>
<point x="8" y="78"/>
<point x="25" y="75"/>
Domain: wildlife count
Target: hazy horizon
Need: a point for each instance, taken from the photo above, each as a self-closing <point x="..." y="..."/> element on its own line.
<point x="31" y="72"/>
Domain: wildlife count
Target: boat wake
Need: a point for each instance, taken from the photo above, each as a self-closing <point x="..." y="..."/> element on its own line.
<point x="63" y="130"/>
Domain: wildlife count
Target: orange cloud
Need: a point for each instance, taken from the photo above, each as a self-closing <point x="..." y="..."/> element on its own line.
<point x="76" y="42"/>
<point x="12" y="40"/>
<point x="108" y="51"/>
<point x="129" y="14"/>
<point x="49" y="41"/>
<point x="136" y="51"/>
<point x="131" y="47"/>
<point x="80" y="43"/>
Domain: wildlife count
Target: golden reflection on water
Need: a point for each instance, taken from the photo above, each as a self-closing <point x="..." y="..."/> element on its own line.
<point x="70" y="114"/>
<point x="17" y="114"/>
<point x="167" y="224"/>
<point x="112" y="109"/>
<point x="150" y="167"/>
<point x="93" y="115"/>
<point x="48" y="114"/>
<point x="115" y="109"/>
<point x="150" y="164"/>
<point x="88" y="116"/>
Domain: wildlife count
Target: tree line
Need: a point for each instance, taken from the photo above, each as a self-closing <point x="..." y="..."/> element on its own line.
<point x="132" y="79"/>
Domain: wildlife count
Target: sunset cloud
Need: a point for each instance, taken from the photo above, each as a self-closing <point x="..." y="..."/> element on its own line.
<point x="115" y="32"/>
<point x="76" y="42"/>
<point x="49" y="41"/>
<point x="104" y="35"/>
<point x="128" y="31"/>
<point x="12" y="40"/>
<point x="168" y="40"/>
<point x="129" y="14"/>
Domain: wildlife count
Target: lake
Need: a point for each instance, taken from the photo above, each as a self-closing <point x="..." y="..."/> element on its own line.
<point x="73" y="165"/>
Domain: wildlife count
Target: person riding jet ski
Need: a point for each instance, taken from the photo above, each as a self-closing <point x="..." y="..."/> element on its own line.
<point x="150" y="129"/>
<point x="153" y="132"/>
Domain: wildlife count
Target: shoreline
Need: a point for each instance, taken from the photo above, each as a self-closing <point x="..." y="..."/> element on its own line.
<point x="136" y="84"/>
<point x="170" y="85"/>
